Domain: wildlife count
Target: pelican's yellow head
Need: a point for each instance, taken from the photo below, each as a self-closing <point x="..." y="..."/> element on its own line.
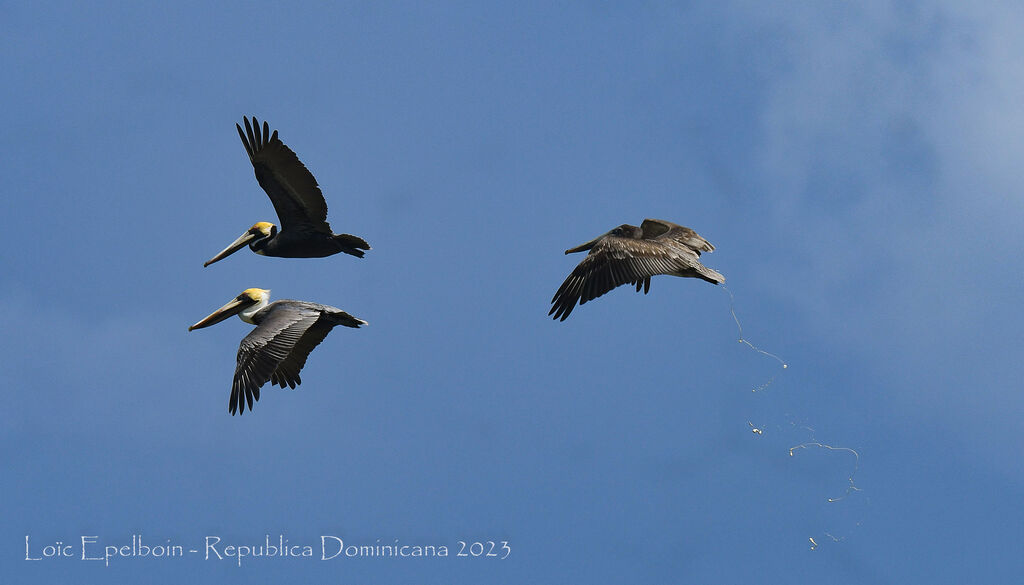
<point x="245" y="305"/>
<point x="256" y="237"/>
<point x="255" y="295"/>
<point x="262" y="228"/>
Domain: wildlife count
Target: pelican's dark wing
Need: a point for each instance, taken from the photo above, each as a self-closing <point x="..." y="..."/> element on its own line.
<point x="291" y="187"/>
<point x="614" y="261"/>
<point x="287" y="372"/>
<point x="278" y="336"/>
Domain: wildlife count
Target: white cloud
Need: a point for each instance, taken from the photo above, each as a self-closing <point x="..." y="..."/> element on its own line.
<point x="892" y="140"/>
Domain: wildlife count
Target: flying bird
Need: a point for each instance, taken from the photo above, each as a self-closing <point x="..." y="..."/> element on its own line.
<point x="286" y="332"/>
<point x="632" y="255"/>
<point x="304" y="231"/>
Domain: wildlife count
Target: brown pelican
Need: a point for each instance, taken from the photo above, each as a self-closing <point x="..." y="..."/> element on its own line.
<point x="297" y="199"/>
<point x="632" y="255"/>
<point x="286" y="331"/>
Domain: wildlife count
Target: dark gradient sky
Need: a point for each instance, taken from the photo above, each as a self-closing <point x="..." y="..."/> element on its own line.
<point x="856" y="166"/>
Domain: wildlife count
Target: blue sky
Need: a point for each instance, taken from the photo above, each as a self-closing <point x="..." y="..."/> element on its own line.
<point x="856" y="166"/>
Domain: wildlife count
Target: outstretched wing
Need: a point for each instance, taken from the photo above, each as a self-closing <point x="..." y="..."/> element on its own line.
<point x="287" y="372"/>
<point x="615" y="261"/>
<point x="279" y="335"/>
<point x="297" y="199"/>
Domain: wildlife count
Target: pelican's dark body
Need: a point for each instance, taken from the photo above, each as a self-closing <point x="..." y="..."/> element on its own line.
<point x="276" y="349"/>
<point x="300" y="206"/>
<point x="632" y="255"/>
<point x="306" y="245"/>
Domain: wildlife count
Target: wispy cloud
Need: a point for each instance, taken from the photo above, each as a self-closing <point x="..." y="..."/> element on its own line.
<point x="891" y="139"/>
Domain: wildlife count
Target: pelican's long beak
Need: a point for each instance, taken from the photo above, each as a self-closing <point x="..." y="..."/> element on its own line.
<point x="231" y="309"/>
<point x="235" y="246"/>
<point x="586" y="246"/>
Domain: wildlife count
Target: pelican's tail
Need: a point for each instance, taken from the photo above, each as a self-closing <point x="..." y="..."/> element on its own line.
<point x="705" y="273"/>
<point x="350" y="244"/>
<point x="340" y="317"/>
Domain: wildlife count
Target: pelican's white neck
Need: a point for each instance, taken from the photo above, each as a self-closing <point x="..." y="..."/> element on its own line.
<point x="246" y="314"/>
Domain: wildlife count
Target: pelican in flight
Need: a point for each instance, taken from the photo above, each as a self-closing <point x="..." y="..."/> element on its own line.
<point x="286" y="332"/>
<point x="632" y="255"/>
<point x="297" y="199"/>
